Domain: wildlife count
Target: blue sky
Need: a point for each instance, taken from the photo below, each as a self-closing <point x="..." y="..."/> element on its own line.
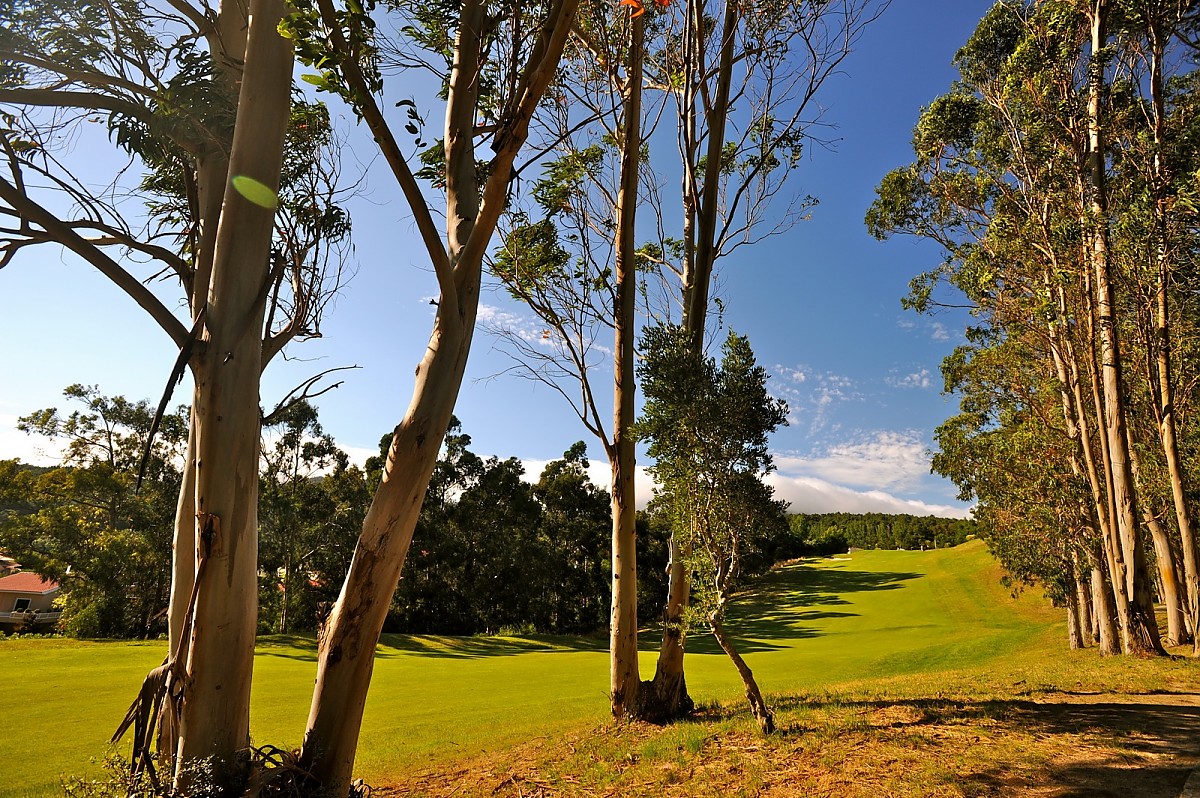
<point x="821" y="306"/>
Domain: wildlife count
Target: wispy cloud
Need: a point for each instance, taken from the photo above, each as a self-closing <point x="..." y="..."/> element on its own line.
<point x="882" y="460"/>
<point x="811" y="395"/>
<point x="921" y="378"/>
<point x="796" y="375"/>
<point x="814" y="495"/>
<point x="939" y="332"/>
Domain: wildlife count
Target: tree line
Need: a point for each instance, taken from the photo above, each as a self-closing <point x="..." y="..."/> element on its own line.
<point x="494" y="551"/>
<point x="830" y="533"/>
<point x="1059" y="175"/>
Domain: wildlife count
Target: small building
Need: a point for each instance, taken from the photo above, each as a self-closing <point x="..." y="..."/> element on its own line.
<point x="27" y="602"/>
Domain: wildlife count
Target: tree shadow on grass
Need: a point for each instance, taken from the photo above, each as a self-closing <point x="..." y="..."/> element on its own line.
<point x="1142" y="747"/>
<point x="783" y="604"/>
<point x="304" y="648"/>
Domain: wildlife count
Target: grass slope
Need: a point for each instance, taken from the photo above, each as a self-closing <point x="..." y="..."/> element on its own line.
<point x="892" y="622"/>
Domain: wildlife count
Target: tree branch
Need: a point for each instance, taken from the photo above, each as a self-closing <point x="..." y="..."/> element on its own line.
<point x="61" y="233"/>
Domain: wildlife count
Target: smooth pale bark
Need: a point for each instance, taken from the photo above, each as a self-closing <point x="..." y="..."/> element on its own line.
<point x="216" y="704"/>
<point x="1142" y="632"/>
<point x="1114" y="565"/>
<point x="1075" y="627"/>
<point x="347" y="647"/>
<point x="347" y="643"/>
<point x="1165" y="560"/>
<point x="1083" y="600"/>
<point x="1104" y="611"/>
<point x="227" y="46"/>
<point x="183" y="549"/>
<point x="624" y="676"/>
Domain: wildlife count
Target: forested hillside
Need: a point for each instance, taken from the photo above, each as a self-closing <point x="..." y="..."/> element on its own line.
<point x="827" y="533"/>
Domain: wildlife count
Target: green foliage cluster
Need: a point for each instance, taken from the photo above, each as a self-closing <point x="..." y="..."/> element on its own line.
<point x="833" y="533"/>
<point x="493" y="551"/>
<point x="706" y="425"/>
<point x="85" y="524"/>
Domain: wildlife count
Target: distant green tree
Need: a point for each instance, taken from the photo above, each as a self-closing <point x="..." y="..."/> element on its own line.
<point x="296" y="513"/>
<point x="86" y="524"/>
<point x="576" y="522"/>
<point x="707" y="427"/>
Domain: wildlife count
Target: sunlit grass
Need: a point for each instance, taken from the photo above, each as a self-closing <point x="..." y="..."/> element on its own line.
<point x="821" y="634"/>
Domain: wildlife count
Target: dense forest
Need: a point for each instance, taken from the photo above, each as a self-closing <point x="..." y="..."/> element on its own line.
<point x="828" y="533"/>
<point x="494" y="551"/>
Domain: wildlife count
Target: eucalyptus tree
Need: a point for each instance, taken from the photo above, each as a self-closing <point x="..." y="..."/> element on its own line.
<point x="740" y="85"/>
<point x="589" y="196"/>
<point x="1013" y="180"/>
<point x="494" y="64"/>
<point x="707" y="427"/>
<point x="201" y="98"/>
<point x="1156" y="32"/>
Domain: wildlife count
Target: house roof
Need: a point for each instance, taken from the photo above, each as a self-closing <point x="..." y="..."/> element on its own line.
<point x="27" y="582"/>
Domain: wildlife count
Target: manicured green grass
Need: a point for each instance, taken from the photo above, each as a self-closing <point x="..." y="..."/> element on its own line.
<point x="896" y="622"/>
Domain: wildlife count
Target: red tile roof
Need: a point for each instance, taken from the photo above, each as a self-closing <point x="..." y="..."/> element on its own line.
<point x="27" y="582"/>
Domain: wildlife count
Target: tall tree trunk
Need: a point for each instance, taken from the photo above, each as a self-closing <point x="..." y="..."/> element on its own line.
<point x="347" y="646"/>
<point x="1075" y="627"/>
<point x="1163" y="381"/>
<point x="183" y="555"/>
<point x="624" y="676"/>
<point x="1142" y="633"/>
<point x="1104" y="609"/>
<point x="1165" y="559"/>
<point x="670" y="685"/>
<point x="215" y="713"/>
<point x="1083" y="600"/>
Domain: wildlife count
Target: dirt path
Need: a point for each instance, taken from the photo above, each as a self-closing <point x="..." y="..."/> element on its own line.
<point x="1160" y="732"/>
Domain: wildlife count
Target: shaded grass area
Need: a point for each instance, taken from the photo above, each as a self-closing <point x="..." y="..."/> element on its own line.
<point x="876" y="628"/>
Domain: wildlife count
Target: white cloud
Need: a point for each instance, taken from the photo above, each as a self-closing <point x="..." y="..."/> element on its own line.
<point x="940" y="333"/>
<point x="883" y="460"/>
<point x="821" y="392"/>
<point x="600" y="473"/>
<point x="918" y="379"/>
<point x="31" y="449"/>
<point x="813" y="495"/>
<point x="793" y="374"/>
